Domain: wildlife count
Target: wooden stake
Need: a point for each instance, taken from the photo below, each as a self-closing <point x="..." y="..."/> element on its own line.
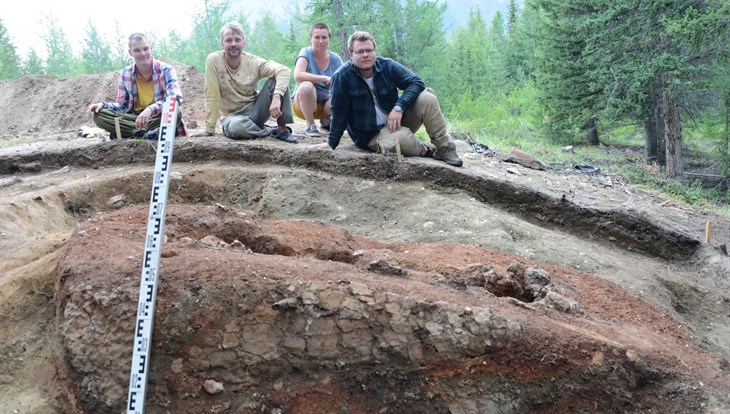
<point x="116" y="127"/>
<point x="708" y="232"/>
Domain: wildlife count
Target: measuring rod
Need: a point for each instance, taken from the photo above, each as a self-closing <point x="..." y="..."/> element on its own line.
<point x="151" y="259"/>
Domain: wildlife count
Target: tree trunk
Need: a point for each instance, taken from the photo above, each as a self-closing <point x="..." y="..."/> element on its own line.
<point x="650" y="141"/>
<point x="673" y="136"/>
<point x="725" y="149"/>
<point x="661" y="133"/>
<point x="341" y="29"/>
<point x="593" y="132"/>
<point x="654" y="136"/>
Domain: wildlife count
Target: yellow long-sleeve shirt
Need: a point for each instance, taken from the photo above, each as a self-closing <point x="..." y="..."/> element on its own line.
<point x="228" y="90"/>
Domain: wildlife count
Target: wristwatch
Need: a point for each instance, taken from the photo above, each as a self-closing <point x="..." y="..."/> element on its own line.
<point x="397" y="108"/>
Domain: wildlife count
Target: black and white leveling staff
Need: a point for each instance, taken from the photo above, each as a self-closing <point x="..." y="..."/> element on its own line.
<point x="151" y="259"/>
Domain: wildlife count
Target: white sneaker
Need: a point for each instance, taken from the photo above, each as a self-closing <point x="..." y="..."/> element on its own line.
<point x="312" y="131"/>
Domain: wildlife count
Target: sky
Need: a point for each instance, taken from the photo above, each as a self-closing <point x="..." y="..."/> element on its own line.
<point x="26" y="20"/>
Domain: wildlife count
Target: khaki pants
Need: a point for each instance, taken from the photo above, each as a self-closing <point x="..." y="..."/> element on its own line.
<point x="425" y="111"/>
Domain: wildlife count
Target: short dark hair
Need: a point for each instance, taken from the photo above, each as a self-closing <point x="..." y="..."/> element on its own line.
<point x="319" y="26"/>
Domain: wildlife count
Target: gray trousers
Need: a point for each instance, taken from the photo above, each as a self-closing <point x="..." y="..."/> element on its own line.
<point x="249" y="123"/>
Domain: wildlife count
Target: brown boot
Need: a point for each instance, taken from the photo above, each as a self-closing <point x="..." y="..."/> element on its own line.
<point x="448" y="154"/>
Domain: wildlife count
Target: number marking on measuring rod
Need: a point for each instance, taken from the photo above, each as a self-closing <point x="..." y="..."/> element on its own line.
<point x="151" y="259"/>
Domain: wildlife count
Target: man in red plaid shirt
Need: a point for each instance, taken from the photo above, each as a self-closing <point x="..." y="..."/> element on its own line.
<point x="141" y="91"/>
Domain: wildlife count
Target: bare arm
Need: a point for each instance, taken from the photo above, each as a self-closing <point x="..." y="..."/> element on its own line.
<point x="301" y="74"/>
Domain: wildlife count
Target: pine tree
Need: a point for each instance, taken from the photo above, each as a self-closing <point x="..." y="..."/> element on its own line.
<point x="60" y="61"/>
<point x="267" y="40"/>
<point x="171" y="47"/>
<point x="205" y="36"/>
<point x="96" y="53"/>
<point x="520" y="54"/>
<point x="651" y="73"/>
<point x="707" y="32"/>
<point x="470" y="52"/>
<point x="497" y="69"/>
<point x="10" y="67"/>
<point x="512" y="16"/>
<point x="120" y="53"/>
<point x="570" y="98"/>
<point x="298" y="35"/>
<point x="33" y="64"/>
<point x="411" y="32"/>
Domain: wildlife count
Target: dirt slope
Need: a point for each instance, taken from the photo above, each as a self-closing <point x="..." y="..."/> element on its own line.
<point x="300" y="281"/>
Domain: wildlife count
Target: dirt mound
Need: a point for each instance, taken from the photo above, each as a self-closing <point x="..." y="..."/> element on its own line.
<point x="39" y="105"/>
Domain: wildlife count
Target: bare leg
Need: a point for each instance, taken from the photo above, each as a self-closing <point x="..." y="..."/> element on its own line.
<point x="306" y="100"/>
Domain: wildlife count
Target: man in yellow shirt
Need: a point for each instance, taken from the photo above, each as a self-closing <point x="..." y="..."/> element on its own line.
<point x="231" y="80"/>
<point x="141" y="91"/>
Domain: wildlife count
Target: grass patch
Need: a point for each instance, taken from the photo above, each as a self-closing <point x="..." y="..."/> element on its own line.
<point x="11" y="142"/>
<point x="503" y="122"/>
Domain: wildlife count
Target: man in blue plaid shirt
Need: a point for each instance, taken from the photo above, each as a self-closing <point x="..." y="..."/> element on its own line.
<point x="366" y="103"/>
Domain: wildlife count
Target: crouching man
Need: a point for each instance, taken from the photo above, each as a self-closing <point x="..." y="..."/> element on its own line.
<point x="365" y="102"/>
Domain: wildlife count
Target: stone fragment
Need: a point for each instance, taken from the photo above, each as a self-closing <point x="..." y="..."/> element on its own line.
<point x="212" y="387"/>
<point x="385" y="267"/>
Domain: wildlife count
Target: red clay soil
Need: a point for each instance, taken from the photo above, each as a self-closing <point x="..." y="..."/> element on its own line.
<point x="609" y="351"/>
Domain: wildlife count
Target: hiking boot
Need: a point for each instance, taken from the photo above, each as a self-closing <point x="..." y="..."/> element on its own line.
<point x="312" y="131"/>
<point x="448" y="154"/>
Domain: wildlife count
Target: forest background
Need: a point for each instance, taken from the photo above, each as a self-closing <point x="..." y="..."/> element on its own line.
<point x="641" y="87"/>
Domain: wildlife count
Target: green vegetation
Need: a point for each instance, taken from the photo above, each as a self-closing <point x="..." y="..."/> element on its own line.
<point x="640" y="89"/>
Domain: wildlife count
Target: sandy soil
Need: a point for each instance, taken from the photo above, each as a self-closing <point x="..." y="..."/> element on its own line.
<point x="633" y="314"/>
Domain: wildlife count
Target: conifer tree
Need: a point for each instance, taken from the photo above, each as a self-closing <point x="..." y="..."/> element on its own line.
<point x="497" y="69"/>
<point x="570" y="98"/>
<point x="60" y="61"/>
<point x="33" y="64"/>
<point x="520" y="53"/>
<point x="95" y="53"/>
<point x="205" y="36"/>
<point x="651" y="72"/>
<point x="266" y="39"/>
<point x="409" y="31"/>
<point x="10" y="67"/>
<point x="471" y="50"/>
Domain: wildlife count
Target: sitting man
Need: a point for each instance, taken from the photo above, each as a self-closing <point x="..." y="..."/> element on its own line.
<point x="141" y="91"/>
<point x="365" y="101"/>
<point x="231" y="79"/>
